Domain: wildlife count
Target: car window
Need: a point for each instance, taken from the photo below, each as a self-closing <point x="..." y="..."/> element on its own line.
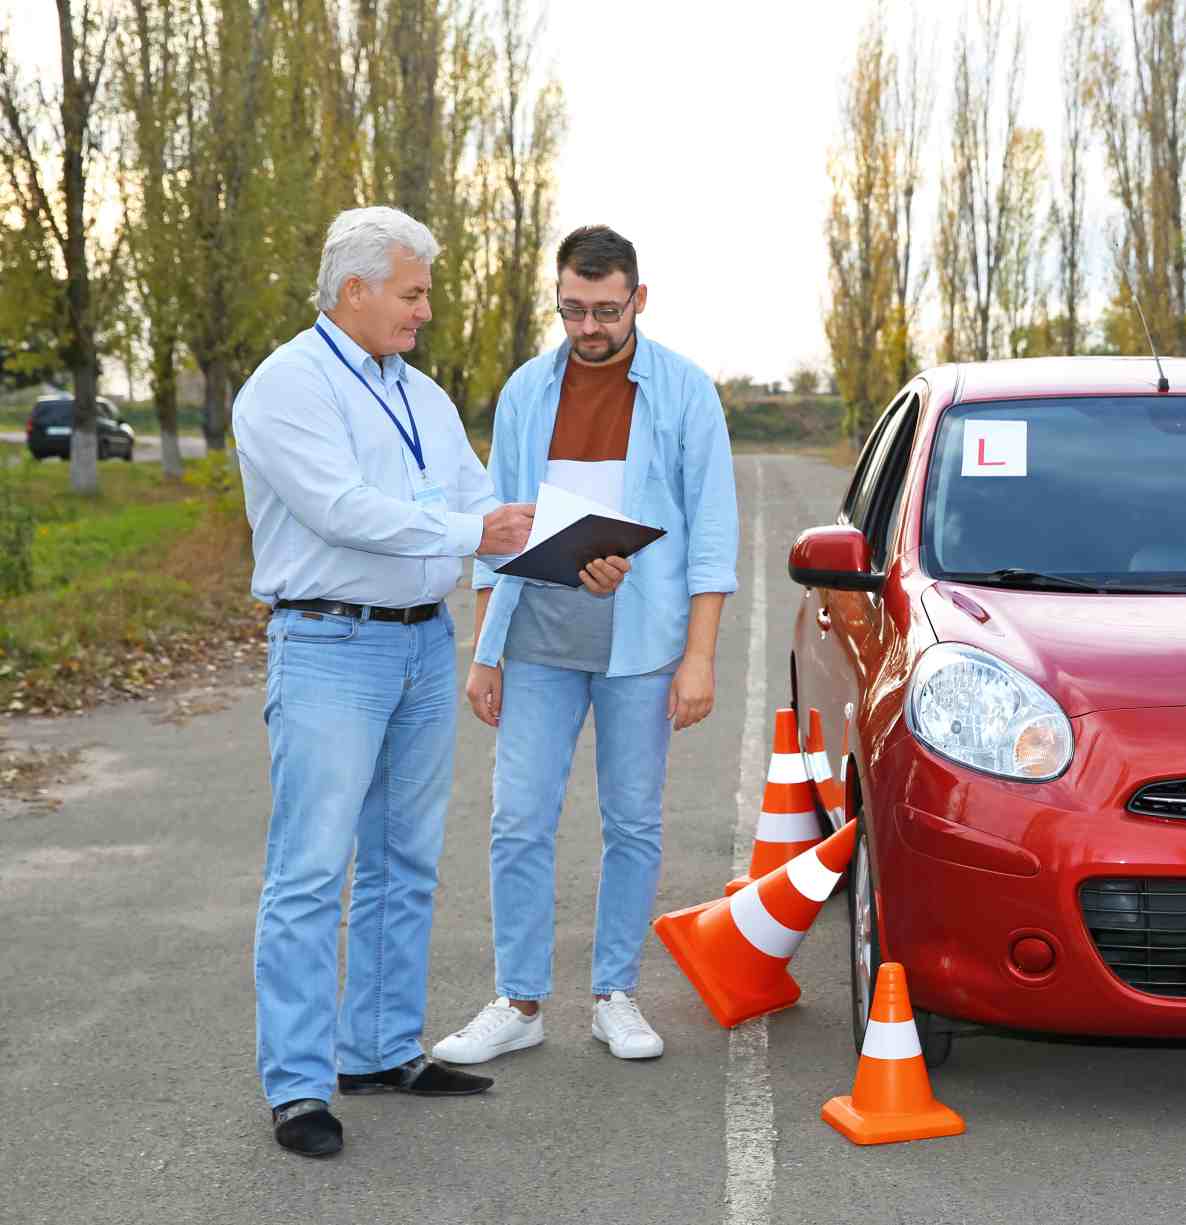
<point x="858" y="483"/>
<point x="106" y="409"/>
<point x="1084" y="487"/>
<point x="865" y="501"/>
<point x="886" y="507"/>
<point x="54" y="412"/>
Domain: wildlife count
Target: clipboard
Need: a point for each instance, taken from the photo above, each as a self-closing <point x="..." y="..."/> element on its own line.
<point x="561" y="557"/>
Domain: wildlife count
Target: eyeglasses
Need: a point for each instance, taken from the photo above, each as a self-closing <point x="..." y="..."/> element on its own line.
<point x="603" y="314"/>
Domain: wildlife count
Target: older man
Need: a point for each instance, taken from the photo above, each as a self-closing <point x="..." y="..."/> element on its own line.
<point x="363" y="496"/>
<point x="611" y="415"/>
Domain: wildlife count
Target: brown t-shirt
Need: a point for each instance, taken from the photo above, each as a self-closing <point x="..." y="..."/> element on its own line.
<point x="560" y="626"/>
<point x="593" y="419"/>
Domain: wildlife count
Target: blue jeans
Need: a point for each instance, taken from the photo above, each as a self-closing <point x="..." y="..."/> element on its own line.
<point x="361" y="719"/>
<point x="543" y="709"/>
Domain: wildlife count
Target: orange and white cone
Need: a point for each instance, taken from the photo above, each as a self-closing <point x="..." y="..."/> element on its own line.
<point x="735" y="951"/>
<point x="891" y="1099"/>
<point x="830" y="792"/>
<point x="787" y="824"/>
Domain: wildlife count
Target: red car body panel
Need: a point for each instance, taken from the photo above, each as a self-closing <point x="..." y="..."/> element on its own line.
<point x="966" y="864"/>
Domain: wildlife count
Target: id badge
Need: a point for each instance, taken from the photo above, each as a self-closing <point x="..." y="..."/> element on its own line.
<point x="430" y="493"/>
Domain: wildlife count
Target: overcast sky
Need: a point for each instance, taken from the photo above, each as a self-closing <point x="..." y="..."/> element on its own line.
<point x="701" y="131"/>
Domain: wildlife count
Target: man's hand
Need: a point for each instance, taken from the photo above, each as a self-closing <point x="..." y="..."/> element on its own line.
<point x="483" y="688"/>
<point x="692" y="690"/>
<point x="506" y="529"/>
<point x="604" y="575"/>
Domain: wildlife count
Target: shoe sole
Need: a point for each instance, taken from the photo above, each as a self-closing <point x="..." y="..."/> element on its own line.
<point x="601" y="1036"/>
<point x="365" y="1090"/>
<point x="329" y="1152"/>
<point x="516" y="1044"/>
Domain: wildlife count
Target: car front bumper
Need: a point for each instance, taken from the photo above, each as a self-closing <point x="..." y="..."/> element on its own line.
<point x="981" y="884"/>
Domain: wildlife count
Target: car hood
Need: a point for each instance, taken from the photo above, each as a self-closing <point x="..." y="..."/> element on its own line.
<point x="1089" y="652"/>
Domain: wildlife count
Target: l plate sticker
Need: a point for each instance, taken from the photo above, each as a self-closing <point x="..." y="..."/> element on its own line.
<point x="994" y="448"/>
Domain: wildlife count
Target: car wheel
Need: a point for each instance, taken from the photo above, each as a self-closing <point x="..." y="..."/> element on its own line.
<point x="864" y="941"/>
<point x="934" y="1033"/>
<point x="102" y="450"/>
<point x="128" y="456"/>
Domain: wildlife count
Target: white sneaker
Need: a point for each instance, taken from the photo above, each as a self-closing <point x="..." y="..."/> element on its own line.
<point x="497" y="1029"/>
<point x="619" y="1022"/>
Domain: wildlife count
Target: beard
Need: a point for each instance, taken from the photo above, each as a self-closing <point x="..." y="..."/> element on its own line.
<point x="611" y="351"/>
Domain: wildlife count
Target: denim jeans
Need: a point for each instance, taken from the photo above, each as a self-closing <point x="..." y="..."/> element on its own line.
<point x="361" y="718"/>
<point x="543" y="709"/>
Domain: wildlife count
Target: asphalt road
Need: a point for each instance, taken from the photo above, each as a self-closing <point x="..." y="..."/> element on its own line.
<point x="126" y="1012"/>
<point x="147" y="449"/>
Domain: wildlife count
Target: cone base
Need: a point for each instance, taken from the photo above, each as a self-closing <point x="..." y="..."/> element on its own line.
<point x="676" y="930"/>
<point x="737" y="883"/>
<point x="875" y="1128"/>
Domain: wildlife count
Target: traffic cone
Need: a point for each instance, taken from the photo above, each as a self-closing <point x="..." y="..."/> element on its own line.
<point x="735" y="951"/>
<point x="787" y="824"/>
<point x="891" y="1098"/>
<point x="830" y="792"/>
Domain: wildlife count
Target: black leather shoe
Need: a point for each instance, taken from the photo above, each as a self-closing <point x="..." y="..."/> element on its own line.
<point x="419" y="1075"/>
<point x="307" y="1127"/>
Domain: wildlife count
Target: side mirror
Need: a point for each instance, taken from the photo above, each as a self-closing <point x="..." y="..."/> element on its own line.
<point x="834" y="557"/>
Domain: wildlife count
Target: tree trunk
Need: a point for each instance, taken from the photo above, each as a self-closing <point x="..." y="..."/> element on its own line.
<point x="164" y="391"/>
<point x="84" y="445"/>
<point x="214" y="406"/>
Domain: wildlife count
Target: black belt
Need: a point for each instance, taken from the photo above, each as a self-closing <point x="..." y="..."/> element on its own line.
<point x="336" y="608"/>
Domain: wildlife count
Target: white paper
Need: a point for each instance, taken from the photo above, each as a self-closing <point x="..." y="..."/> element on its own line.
<point x="994" y="448"/>
<point x="556" y="509"/>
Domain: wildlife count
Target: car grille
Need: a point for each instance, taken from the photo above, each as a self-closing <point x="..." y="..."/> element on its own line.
<point x="1161" y="800"/>
<point x="1139" y="926"/>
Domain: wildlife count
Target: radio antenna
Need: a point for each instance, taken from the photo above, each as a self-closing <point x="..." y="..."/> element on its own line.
<point x="1163" y="384"/>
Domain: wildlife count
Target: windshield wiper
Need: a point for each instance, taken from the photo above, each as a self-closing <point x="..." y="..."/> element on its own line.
<point x="1015" y="576"/>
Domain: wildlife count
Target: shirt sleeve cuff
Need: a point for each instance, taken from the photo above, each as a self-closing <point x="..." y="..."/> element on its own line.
<point x="702" y="581"/>
<point x="463" y="536"/>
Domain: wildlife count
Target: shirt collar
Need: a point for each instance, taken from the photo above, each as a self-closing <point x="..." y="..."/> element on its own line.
<point x="355" y="354"/>
<point x="641" y="364"/>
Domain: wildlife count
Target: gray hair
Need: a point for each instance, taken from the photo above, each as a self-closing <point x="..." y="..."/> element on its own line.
<point x="360" y="242"/>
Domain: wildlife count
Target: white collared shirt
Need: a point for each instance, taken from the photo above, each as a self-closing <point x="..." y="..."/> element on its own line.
<point x="332" y="488"/>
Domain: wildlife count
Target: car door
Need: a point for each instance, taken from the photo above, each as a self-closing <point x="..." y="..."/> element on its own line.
<point x="837" y="624"/>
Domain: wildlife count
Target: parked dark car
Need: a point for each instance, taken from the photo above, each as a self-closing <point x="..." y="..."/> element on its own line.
<point x="51" y="425"/>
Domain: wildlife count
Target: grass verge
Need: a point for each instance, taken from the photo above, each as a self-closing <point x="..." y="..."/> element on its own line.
<point x="145" y="585"/>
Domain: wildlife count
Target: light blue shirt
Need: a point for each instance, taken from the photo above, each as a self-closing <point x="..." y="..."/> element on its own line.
<point x="338" y="507"/>
<point x="678" y="476"/>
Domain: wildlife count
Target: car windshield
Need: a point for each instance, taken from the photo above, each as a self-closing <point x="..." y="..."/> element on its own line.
<point x="1031" y="492"/>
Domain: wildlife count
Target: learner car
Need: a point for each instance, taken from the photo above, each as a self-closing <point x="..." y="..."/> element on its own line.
<point x="993" y="633"/>
<point x="51" y="426"/>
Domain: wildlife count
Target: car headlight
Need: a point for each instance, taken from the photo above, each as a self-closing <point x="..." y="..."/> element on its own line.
<point x="978" y="710"/>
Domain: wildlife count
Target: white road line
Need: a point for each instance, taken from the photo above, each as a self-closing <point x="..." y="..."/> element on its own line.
<point x="749" y="1106"/>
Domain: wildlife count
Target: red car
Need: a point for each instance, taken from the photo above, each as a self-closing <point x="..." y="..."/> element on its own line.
<point x="993" y="634"/>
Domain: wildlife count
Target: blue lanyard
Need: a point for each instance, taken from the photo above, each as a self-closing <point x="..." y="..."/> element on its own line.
<point x="413" y="442"/>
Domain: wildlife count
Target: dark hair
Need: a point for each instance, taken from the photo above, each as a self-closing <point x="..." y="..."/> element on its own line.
<point x="595" y="251"/>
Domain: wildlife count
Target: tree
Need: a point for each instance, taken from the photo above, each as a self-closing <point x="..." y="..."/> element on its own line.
<point x="1139" y="106"/>
<point x="61" y="220"/>
<point x="911" y="104"/>
<point x="805" y="380"/>
<point x="1067" y="207"/>
<point x="860" y="236"/>
<point x="527" y="139"/>
<point x="986" y="147"/>
<point x="152" y="74"/>
<point x="1021" y="288"/>
<point x="227" y="48"/>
